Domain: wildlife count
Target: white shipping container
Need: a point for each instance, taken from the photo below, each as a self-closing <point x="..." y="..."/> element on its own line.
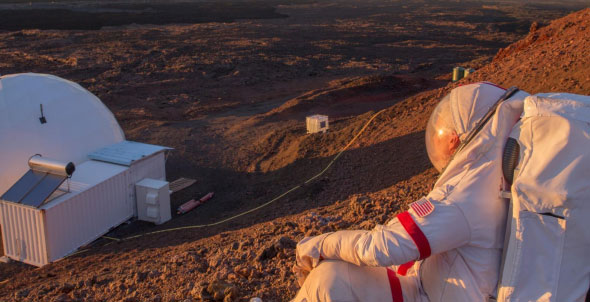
<point x="97" y="201"/>
<point x="148" y="161"/>
<point x="101" y="196"/>
<point x="23" y="233"/>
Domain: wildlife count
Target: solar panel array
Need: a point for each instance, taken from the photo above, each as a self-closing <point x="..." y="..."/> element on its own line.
<point x="33" y="188"/>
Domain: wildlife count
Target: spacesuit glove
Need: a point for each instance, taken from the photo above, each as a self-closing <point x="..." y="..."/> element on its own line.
<point x="308" y="255"/>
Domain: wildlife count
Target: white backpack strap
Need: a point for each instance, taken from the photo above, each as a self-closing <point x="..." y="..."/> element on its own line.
<point x="510" y="159"/>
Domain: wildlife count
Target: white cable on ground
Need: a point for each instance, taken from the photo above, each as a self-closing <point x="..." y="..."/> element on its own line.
<point x="253" y="209"/>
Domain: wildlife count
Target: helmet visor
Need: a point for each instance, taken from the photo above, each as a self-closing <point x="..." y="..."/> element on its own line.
<point x="441" y="136"/>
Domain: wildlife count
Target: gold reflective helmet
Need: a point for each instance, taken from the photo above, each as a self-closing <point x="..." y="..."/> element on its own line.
<point x="459" y="116"/>
<point x="441" y="135"/>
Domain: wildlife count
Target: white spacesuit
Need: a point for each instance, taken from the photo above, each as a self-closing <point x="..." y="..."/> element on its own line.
<point x="457" y="231"/>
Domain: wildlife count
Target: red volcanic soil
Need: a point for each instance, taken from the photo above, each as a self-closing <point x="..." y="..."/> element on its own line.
<point x="549" y="59"/>
<point x="251" y="147"/>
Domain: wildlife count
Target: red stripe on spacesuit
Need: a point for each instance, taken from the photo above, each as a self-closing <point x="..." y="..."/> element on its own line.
<point x="396" y="286"/>
<point x="415" y="233"/>
<point x="403" y="269"/>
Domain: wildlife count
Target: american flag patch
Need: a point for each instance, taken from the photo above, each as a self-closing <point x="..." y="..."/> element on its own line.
<point x="422" y="207"/>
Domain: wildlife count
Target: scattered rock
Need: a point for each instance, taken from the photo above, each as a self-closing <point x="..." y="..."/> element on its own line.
<point x="360" y="205"/>
<point x="275" y="248"/>
<point x="156" y="298"/>
<point x="62" y="298"/>
<point x="200" y="292"/>
<point x="23" y="293"/>
<point x="267" y="253"/>
<point x="286" y="243"/>
<point x="140" y="277"/>
<point x="534" y="27"/>
<point x="66" y="288"/>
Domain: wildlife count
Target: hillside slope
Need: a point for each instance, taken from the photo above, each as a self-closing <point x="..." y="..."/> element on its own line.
<point x="256" y="261"/>
<point x="549" y="59"/>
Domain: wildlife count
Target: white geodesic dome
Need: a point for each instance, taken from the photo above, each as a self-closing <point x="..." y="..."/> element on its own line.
<point x="77" y="123"/>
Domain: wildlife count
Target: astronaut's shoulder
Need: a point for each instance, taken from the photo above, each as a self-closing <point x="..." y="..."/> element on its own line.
<point x="422" y="207"/>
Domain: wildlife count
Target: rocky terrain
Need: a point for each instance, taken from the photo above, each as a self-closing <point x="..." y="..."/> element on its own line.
<point x="231" y="99"/>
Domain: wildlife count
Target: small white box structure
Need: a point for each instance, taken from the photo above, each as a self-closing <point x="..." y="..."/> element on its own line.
<point x="317" y="123"/>
<point x="153" y="200"/>
<point x="48" y="209"/>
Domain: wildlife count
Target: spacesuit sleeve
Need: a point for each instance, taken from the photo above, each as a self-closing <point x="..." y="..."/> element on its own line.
<point x="411" y="235"/>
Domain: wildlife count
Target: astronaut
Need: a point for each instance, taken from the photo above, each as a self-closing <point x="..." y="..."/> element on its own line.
<point x="448" y="245"/>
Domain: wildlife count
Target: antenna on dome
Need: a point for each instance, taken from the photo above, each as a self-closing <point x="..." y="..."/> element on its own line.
<point x="42" y="118"/>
